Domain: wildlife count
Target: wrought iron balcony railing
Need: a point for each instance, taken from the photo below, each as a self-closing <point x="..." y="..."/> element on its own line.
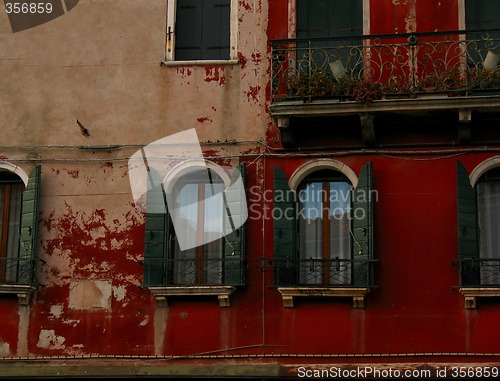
<point x="479" y="272"/>
<point x="321" y="272"/>
<point x="367" y="68"/>
<point x="194" y="271"/>
<point x="17" y="271"/>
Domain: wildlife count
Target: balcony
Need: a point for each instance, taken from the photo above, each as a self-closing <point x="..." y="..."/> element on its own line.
<point x="368" y="77"/>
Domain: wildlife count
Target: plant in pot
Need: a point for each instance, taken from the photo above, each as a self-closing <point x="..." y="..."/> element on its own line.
<point x="317" y="85"/>
<point x="366" y="92"/>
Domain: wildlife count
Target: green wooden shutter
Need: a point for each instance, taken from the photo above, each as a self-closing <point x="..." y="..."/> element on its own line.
<point x="202" y="30"/>
<point x="234" y="240"/>
<point x="333" y="18"/>
<point x="285" y="231"/>
<point x="468" y="244"/>
<point x="216" y="33"/>
<point x="362" y="224"/>
<point x="29" y="229"/>
<point x="157" y="237"/>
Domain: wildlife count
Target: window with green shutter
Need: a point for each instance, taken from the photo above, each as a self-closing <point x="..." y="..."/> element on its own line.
<point x="18" y="227"/>
<point x="323" y="232"/>
<point x="217" y="260"/>
<point x="478" y="227"/>
<point x="199" y="30"/>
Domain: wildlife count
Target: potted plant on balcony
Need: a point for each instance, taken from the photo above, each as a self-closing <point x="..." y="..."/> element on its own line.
<point x="365" y="91"/>
<point x="317" y="85"/>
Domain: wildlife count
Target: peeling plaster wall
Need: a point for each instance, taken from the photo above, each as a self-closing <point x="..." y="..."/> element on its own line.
<point x="100" y="65"/>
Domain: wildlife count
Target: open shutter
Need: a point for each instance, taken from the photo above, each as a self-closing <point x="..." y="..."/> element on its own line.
<point x="156" y="248"/>
<point x="234" y="240"/>
<point x="285" y="231"/>
<point x="468" y="246"/>
<point x="362" y="225"/>
<point x="29" y="229"/>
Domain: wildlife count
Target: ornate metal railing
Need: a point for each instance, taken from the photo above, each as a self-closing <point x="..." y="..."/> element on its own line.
<point x="194" y="271"/>
<point x="321" y="272"/>
<point x="17" y="271"/>
<point x="479" y="272"/>
<point x="372" y="67"/>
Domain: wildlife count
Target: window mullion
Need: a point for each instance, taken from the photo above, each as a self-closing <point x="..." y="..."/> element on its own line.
<point x="326" y="232"/>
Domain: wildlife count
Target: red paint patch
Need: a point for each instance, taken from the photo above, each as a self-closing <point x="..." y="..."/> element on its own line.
<point x="242" y="59"/>
<point x="212" y="74"/>
<point x="74" y="173"/>
<point x="204" y="119"/>
<point x="245" y="5"/>
<point x="184" y="72"/>
<point x="3" y="157"/>
<point x="252" y="93"/>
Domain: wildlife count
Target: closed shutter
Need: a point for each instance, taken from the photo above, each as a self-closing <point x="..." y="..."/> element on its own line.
<point x="157" y="237"/>
<point x="329" y="18"/>
<point x="234" y="240"/>
<point x="29" y="229"/>
<point x="202" y="30"/>
<point x="285" y="231"/>
<point x="362" y="225"/>
<point x="468" y="246"/>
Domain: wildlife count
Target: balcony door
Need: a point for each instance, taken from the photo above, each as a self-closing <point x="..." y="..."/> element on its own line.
<point x="333" y="22"/>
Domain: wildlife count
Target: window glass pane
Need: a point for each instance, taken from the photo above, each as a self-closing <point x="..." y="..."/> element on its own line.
<point x="200" y="206"/>
<point x="13" y="236"/>
<point x="340" y="237"/>
<point x="488" y="198"/>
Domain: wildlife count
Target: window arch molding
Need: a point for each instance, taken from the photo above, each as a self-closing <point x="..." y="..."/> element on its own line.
<point x="482" y="168"/>
<point x="190" y="166"/>
<point x="315" y="165"/>
<point x="5" y="165"/>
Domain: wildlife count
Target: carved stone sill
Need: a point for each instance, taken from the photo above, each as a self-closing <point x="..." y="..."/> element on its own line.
<point x="222" y="292"/>
<point x="357" y="293"/>
<point x="23" y="292"/>
<point x="470" y="294"/>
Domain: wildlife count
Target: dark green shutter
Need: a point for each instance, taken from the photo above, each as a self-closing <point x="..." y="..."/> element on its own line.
<point x="362" y="224"/>
<point x="468" y="246"/>
<point x="29" y="229"/>
<point x="157" y="237"/>
<point x="333" y="18"/>
<point x="234" y="241"/>
<point x="202" y="30"/>
<point x="285" y="231"/>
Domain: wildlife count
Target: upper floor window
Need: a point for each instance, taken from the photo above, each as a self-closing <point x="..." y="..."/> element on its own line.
<point x="201" y="248"/>
<point x="323" y="230"/>
<point x="201" y="30"/>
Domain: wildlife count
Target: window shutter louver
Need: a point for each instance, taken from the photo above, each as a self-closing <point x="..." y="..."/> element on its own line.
<point x="285" y="231"/>
<point x="234" y="241"/>
<point x="29" y="229"/>
<point x="468" y="244"/>
<point x="362" y="224"/>
<point x="157" y="237"/>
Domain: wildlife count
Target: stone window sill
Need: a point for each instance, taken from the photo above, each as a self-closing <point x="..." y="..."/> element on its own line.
<point x="201" y="63"/>
<point x="222" y="292"/>
<point x="471" y="293"/>
<point x="23" y="292"/>
<point x="357" y="293"/>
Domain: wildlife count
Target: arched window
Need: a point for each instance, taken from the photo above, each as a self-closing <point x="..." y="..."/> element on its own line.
<point x="11" y="190"/>
<point x="488" y="208"/>
<point x="478" y="201"/>
<point x="199" y="207"/>
<point x="200" y="239"/>
<point x="324" y="212"/>
<point x="323" y="229"/>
